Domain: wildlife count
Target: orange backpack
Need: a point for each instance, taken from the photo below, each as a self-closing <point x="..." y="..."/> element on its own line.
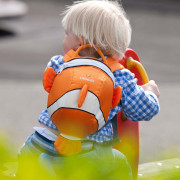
<point x="81" y="96"/>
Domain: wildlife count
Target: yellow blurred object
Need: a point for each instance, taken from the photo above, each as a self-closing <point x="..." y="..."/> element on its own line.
<point x="130" y="63"/>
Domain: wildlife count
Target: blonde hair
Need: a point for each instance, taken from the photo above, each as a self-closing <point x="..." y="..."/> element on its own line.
<point x="101" y="23"/>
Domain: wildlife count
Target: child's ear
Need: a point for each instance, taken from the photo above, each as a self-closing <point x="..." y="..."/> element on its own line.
<point x="116" y="96"/>
<point x="81" y="40"/>
<point x="48" y="78"/>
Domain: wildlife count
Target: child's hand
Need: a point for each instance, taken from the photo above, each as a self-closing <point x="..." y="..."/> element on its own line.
<point x="151" y="86"/>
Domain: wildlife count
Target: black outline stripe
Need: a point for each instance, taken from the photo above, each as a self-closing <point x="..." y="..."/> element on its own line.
<point x="63" y="95"/>
<point x="78" y="109"/>
<point x="89" y="65"/>
<point x="90" y="59"/>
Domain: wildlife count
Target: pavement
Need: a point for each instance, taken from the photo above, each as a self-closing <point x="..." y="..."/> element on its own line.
<point x="38" y="36"/>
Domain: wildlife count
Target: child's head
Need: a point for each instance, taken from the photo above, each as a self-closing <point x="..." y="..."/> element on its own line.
<point x="101" y="23"/>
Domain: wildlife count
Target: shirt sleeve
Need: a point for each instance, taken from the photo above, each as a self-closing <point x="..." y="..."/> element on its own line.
<point x="55" y="62"/>
<point x="136" y="103"/>
<point x="45" y="119"/>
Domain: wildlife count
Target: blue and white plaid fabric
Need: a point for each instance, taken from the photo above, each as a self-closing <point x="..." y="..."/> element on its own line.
<point x="136" y="103"/>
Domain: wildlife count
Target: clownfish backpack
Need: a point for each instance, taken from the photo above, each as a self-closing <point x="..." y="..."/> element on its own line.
<point x="81" y="96"/>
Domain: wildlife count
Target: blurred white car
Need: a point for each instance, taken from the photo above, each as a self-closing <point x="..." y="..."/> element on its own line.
<point x="12" y="8"/>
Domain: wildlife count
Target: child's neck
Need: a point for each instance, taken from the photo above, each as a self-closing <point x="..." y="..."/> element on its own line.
<point x="90" y="52"/>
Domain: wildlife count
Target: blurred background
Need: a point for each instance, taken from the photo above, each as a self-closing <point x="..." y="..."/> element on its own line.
<point x="31" y="33"/>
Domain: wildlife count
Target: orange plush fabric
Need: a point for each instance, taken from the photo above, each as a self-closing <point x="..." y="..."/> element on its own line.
<point x="81" y="96"/>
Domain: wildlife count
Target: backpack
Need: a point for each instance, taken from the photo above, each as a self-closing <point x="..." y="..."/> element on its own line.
<point x="81" y="96"/>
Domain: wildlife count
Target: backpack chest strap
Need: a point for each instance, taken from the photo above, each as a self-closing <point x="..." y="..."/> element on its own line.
<point x="113" y="64"/>
<point x="88" y="62"/>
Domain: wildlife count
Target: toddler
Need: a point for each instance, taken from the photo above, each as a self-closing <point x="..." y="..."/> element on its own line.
<point x="101" y="24"/>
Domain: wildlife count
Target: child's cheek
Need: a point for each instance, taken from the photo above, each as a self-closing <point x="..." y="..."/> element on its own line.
<point x="65" y="48"/>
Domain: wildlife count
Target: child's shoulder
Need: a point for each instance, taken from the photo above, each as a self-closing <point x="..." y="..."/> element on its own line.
<point x="57" y="58"/>
<point x="123" y="73"/>
<point x="55" y="62"/>
<point x="125" y="78"/>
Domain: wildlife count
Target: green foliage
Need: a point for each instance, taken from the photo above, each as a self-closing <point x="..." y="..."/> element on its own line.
<point x="160" y="170"/>
<point x="72" y="168"/>
<point x="7" y="154"/>
<point x="32" y="167"/>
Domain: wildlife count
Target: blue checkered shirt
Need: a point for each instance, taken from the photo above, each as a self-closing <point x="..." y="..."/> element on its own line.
<point x="136" y="103"/>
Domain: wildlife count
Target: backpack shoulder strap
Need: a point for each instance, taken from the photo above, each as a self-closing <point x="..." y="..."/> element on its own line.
<point x="114" y="65"/>
<point x="69" y="55"/>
